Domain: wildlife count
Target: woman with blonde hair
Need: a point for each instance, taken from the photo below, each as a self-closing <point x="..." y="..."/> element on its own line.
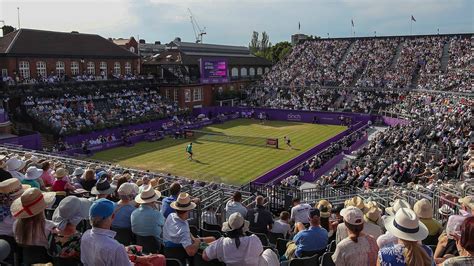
<point x="88" y="180"/>
<point x="406" y="226"/>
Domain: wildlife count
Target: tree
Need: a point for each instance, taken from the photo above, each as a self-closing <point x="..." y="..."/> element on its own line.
<point x="280" y="50"/>
<point x="265" y="42"/>
<point x="254" y="44"/>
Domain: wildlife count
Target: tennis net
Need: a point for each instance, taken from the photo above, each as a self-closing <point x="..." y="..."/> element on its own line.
<point x="234" y="139"/>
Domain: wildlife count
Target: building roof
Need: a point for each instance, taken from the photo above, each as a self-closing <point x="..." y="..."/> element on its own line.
<point x="171" y="57"/>
<point x="189" y="47"/>
<point x="30" y="42"/>
<point x="120" y="41"/>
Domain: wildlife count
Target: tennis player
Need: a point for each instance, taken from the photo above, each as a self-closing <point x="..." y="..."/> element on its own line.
<point x="288" y="142"/>
<point x="189" y="150"/>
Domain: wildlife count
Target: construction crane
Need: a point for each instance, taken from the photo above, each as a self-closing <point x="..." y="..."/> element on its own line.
<point x="198" y="32"/>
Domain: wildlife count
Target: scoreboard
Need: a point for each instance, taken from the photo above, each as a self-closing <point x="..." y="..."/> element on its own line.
<point x="214" y="70"/>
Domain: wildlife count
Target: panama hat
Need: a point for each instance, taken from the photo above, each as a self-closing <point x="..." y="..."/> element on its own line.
<point x="373" y="214"/>
<point x="396" y="205"/>
<point x="423" y="209"/>
<point x="183" y="203"/>
<point x="352" y="215"/>
<point x="33" y="173"/>
<point x="467" y="201"/>
<point x="406" y="225"/>
<point x="445" y="210"/>
<point x="356" y="202"/>
<point x="128" y="189"/>
<point x="103" y="187"/>
<point x="148" y="195"/>
<point x="325" y="208"/>
<point x="14" y="164"/>
<point x="13" y="187"/>
<point x="60" y="173"/>
<point x="31" y="203"/>
<point x="71" y="210"/>
<point x="236" y="221"/>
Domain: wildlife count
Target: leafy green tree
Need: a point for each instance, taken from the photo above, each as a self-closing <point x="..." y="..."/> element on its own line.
<point x="254" y="44"/>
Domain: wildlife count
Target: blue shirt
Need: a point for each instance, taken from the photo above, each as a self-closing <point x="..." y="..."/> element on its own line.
<point x="165" y="207"/>
<point x="147" y="221"/>
<point x="122" y="217"/>
<point x="176" y="232"/>
<point x="32" y="183"/>
<point x="312" y="239"/>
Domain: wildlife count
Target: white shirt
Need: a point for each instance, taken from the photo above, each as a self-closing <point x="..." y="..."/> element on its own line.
<point x="99" y="248"/>
<point x="349" y="253"/>
<point x="280" y="227"/>
<point x="300" y="213"/>
<point x="224" y="249"/>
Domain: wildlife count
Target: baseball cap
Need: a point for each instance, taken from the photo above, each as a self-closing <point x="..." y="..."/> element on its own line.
<point x="352" y="215"/>
<point x="314" y="212"/>
<point x="102" y="208"/>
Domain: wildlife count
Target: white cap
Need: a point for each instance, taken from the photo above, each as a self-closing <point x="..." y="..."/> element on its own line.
<point x="352" y="215"/>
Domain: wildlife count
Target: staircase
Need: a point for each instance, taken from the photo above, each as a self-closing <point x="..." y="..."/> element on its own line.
<point x="397" y="55"/>
<point x="445" y="57"/>
<point x="344" y="56"/>
<point x="415" y="77"/>
<point x="47" y="141"/>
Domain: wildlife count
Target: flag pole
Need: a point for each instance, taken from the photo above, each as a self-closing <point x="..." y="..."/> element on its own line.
<point x="411" y="26"/>
<point x="18" y="14"/>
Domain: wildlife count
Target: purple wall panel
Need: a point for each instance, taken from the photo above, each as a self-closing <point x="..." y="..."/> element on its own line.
<point x="311" y="177"/>
<point x="32" y="141"/>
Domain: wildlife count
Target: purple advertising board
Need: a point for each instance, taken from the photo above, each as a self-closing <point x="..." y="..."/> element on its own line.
<point x="214" y="70"/>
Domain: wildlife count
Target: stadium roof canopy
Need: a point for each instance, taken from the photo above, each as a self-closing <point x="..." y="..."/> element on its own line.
<point x="31" y="42"/>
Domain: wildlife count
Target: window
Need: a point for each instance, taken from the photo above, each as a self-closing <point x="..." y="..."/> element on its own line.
<point x="103" y="68"/>
<point x="74" y="68"/>
<point x="117" y="70"/>
<point x="243" y="72"/>
<point x="267" y="69"/>
<point x="24" y="68"/>
<point x="187" y="95"/>
<point x="60" y="69"/>
<point x="41" y="69"/>
<point x="167" y="93"/>
<point x="175" y="96"/>
<point x="4" y="72"/>
<point x="197" y="94"/>
<point x="90" y="68"/>
<point x="235" y="72"/>
<point x="128" y="68"/>
<point x="259" y="71"/>
<point x="252" y="71"/>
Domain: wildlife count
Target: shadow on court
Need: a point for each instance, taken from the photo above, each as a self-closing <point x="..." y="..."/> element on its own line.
<point x="199" y="162"/>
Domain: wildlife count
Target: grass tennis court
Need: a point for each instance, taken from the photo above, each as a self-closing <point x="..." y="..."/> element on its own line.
<point x="223" y="162"/>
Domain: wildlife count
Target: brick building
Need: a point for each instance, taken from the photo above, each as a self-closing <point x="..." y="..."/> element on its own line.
<point x="29" y="53"/>
<point x="129" y="44"/>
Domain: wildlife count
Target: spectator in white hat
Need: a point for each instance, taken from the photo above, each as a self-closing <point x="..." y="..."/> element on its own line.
<point x="14" y="166"/>
<point x="406" y="226"/>
<point x="125" y="206"/>
<point x="424" y="211"/>
<point x="10" y="190"/>
<point x="358" y="248"/>
<point x="31" y="177"/>
<point x="147" y="220"/>
<point x="65" y="242"/>
<point x="467" y="205"/>
<point x="236" y="248"/>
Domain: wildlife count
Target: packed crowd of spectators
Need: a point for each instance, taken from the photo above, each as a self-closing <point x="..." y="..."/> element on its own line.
<point x="54" y="78"/>
<point x="68" y="114"/>
<point x="376" y="62"/>
<point x="436" y="145"/>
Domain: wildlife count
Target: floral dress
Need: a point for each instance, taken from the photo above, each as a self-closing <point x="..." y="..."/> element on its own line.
<point x="392" y="255"/>
<point x="65" y="248"/>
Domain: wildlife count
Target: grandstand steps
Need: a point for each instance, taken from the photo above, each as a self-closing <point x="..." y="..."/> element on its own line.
<point x="415" y="76"/>
<point x="47" y="141"/>
<point x="398" y="52"/>
<point x="344" y="56"/>
<point x="445" y="57"/>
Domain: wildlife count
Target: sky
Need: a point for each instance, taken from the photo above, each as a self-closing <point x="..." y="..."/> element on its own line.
<point x="233" y="21"/>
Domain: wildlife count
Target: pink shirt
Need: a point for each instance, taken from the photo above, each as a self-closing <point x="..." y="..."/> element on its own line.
<point x="48" y="179"/>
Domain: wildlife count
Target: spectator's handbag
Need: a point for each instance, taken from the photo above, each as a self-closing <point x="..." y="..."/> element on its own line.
<point x="136" y="256"/>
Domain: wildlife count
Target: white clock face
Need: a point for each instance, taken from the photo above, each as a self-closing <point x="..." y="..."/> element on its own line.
<point x="132" y="49"/>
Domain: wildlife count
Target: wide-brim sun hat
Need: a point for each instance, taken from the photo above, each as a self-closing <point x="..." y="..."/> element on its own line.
<point x="356" y="202"/>
<point x="14" y="164"/>
<point x="78" y="171"/>
<point x="72" y="210"/>
<point x="60" y="173"/>
<point x="235" y="221"/>
<point x="406" y="225"/>
<point x="183" y="203"/>
<point x="396" y="205"/>
<point x="446" y="210"/>
<point x="31" y="203"/>
<point x="148" y="195"/>
<point x="103" y="187"/>
<point x="127" y="189"/>
<point x="33" y="173"/>
<point x="325" y="208"/>
<point x="13" y="187"/>
<point x="423" y="209"/>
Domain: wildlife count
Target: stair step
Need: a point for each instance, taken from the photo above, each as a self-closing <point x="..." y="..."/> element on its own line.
<point x="397" y="55"/>
<point x="445" y="57"/>
<point x="344" y="56"/>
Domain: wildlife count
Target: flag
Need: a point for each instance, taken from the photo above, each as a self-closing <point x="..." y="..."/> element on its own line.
<point x="299" y="26"/>
<point x="413" y="18"/>
<point x="352" y="22"/>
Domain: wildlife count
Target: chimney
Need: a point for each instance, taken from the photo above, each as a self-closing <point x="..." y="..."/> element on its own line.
<point x="157" y="42"/>
<point x="142" y="41"/>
